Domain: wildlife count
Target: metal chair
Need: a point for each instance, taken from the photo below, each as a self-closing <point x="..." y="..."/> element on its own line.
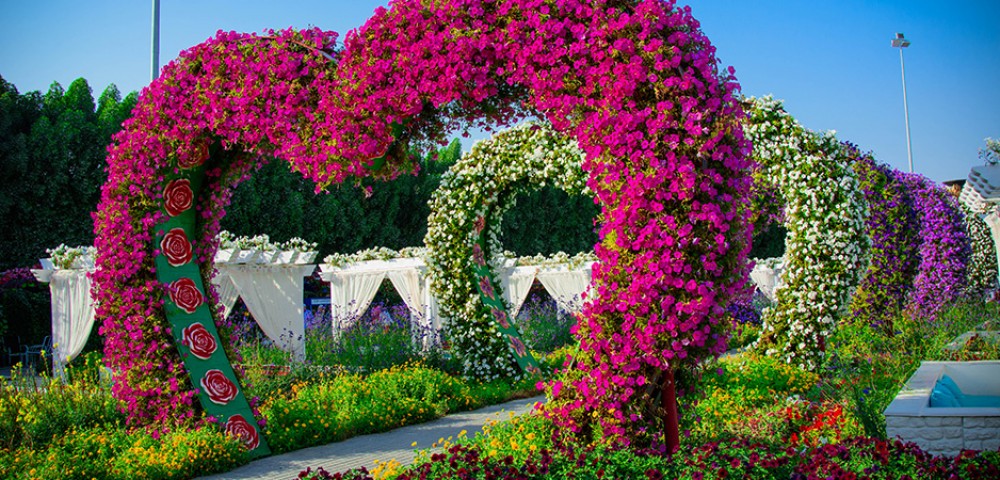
<point x="33" y="352"/>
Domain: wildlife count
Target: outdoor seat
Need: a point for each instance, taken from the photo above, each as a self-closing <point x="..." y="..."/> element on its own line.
<point x="33" y="353"/>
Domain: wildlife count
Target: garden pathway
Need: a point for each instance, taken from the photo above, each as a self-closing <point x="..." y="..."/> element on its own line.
<point x="366" y="449"/>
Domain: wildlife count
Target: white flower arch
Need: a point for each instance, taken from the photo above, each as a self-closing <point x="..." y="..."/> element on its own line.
<point x="826" y="249"/>
<point x="463" y="230"/>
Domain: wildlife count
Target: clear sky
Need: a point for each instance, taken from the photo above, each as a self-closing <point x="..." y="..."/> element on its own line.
<point x="830" y="61"/>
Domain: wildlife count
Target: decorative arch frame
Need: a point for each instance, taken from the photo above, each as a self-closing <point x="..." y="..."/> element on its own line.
<point x="635" y="83"/>
<point x="826" y="249"/>
<point x="463" y="246"/>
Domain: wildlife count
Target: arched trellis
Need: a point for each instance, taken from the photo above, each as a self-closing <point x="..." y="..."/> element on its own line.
<point x="636" y="84"/>
<point x="826" y="249"/>
<point x="463" y="239"/>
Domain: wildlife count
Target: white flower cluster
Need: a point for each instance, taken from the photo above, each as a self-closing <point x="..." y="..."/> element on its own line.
<point x="826" y="249"/>
<point x="557" y="259"/>
<point x="263" y="242"/>
<point x="378" y="253"/>
<point x="983" y="261"/>
<point x="65" y="257"/>
<point x="472" y="198"/>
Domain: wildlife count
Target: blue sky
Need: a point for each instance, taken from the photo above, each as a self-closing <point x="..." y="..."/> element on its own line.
<point x="830" y="61"/>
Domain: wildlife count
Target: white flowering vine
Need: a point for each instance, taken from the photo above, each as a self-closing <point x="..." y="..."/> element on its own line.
<point x="826" y="249"/>
<point x="468" y="206"/>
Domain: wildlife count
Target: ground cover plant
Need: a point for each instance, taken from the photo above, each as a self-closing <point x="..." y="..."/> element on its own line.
<point x="75" y="429"/>
<point x="758" y="417"/>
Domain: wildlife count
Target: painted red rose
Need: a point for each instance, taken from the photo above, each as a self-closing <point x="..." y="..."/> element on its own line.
<point x="194" y="158"/>
<point x="239" y="427"/>
<point x="201" y="343"/>
<point x="186" y="295"/>
<point x="178" y="196"/>
<point x="176" y="247"/>
<point x="220" y="390"/>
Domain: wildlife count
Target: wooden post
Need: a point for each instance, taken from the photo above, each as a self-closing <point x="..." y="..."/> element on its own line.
<point x="668" y="401"/>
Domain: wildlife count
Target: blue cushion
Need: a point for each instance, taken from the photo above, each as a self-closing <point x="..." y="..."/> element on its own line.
<point x="947" y="382"/>
<point x="942" y="397"/>
<point x="988" y="401"/>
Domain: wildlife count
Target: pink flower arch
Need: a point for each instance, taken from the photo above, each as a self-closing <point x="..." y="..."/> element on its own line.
<point x="635" y="82"/>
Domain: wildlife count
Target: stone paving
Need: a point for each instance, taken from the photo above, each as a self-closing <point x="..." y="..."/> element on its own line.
<point x="365" y="450"/>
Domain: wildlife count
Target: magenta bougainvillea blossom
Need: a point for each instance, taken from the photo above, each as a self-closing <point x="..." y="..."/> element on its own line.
<point x="636" y="83"/>
<point x="944" y="247"/>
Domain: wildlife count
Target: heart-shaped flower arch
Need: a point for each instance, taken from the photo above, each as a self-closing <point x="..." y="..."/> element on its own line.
<point x="635" y="82"/>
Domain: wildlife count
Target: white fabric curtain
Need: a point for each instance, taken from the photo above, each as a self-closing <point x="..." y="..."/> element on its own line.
<point x="72" y="316"/>
<point x="351" y="293"/>
<point x="225" y="289"/>
<point x="407" y="283"/>
<point x="566" y="286"/>
<point x="273" y="295"/>
<point x="516" y="283"/>
<point x="432" y="315"/>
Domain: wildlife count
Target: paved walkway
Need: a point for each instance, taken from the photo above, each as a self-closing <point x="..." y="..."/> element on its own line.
<point x="366" y="449"/>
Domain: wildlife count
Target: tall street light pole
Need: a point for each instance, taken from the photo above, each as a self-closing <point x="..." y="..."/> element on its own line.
<point x="901" y="43"/>
<point x="155" y="64"/>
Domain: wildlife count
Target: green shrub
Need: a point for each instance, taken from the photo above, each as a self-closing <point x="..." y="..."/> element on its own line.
<point x="113" y="453"/>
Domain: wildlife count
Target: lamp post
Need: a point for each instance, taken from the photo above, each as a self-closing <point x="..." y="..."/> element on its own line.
<point x="155" y="54"/>
<point x="901" y="43"/>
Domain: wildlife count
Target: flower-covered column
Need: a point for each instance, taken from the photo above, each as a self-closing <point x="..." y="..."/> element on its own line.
<point x="188" y="311"/>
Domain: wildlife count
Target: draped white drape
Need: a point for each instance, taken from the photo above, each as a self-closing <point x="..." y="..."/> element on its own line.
<point x="227" y="292"/>
<point x="353" y="287"/>
<point x="516" y="283"/>
<point x="72" y="315"/>
<point x="273" y="295"/>
<point x="351" y="294"/>
<point x="566" y="286"/>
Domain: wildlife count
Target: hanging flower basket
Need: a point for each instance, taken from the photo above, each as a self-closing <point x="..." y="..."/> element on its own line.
<point x="285" y="257"/>
<point x="305" y="258"/>
<point x="267" y="256"/>
<point x="42" y="275"/>
<point x="245" y="256"/>
<point x="226" y="255"/>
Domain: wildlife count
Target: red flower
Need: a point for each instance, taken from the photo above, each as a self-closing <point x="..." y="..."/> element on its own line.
<point x="220" y="390"/>
<point x="176" y="247"/>
<point x="186" y="295"/>
<point x="201" y="343"/>
<point x="196" y="158"/>
<point x="239" y="427"/>
<point x="177" y="196"/>
<point x="480" y="224"/>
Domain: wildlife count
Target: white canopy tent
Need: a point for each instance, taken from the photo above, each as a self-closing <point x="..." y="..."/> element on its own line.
<point x="273" y="295"/>
<point x="72" y="313"/>
<point x="353" y="286"/>
<point x="272" y="292"/>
